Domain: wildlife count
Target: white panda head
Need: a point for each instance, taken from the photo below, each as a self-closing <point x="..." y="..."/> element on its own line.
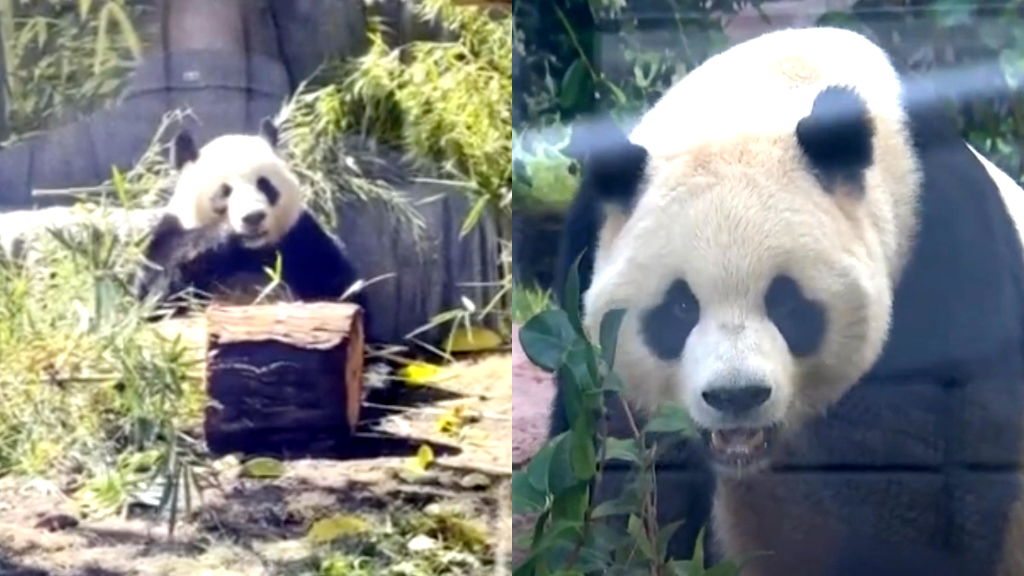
<point x="757" y="268"/>
<point x="237" y="179"/>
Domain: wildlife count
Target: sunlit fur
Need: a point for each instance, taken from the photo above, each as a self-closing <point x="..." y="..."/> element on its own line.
<point x="237" y="160"/>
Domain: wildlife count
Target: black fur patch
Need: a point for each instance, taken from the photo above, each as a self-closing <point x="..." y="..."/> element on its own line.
<point x="184" y="150"/>
<point x="268" y="189"/>
<point x="612" y="170"/>
<point x="800" y="321"/>
<point x="836" y="136"/>
<point x="612" y="165"/>
<point x="666" y="326"/>
<point x="268" y="131"/>
<point x="211" y="260"/>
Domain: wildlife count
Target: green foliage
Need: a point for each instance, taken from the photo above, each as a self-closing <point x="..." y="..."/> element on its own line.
<point x="572" y="535"/>
<point x="526" y="302"/>
<point x="66" y="58"/>
<point x="545" y="178"/>
<point x="91" y="390"/>
<point x="459" y="544"/>
<point x="556" y="41"/>
<point x="313" y="129"/>
<point x="444" y="102"/>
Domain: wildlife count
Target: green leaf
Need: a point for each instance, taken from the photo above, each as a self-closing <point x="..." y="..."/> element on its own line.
<point x="117" y="180"/>
<point x="558" y="532"/>
<point x="555" y="534"/>
<point x="616" y="507"/>
<point x="697" y="557"/>
<point x="571" y="504"/>
<point x="571" y="295"/>
<point x="612" y="382"/>
<point x="475" y="213"/>
<point x="546" y="338"/>
<point x="591" y="560"/>
<point x="582" y="356"/>
<point x="669" y="418"/>
<point x="582" y="453"/>
<point x="574" y="83"/>
<point x="639" y="533"/>
<point x="603" y="539"/>
<point x="621" y="449"/>
<point x="334" y="527"/>
<point x="618" y="96"/>
<point x="665" y="534"/>
<point x="526" y="498"/>
<point x="527" y="568"/>
<point x="539" y="468"/>
<point x="560" y="473"/>
<point x="569" y="389"/>
<point x="611" y="323"/>
<point x="263" y="468"/>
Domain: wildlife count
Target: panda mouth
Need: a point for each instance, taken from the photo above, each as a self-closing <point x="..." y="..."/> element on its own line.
<point x="739" y="449"/>
<point x="253" y="237"/>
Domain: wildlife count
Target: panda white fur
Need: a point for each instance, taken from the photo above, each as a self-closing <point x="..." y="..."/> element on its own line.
<point x="236" y="206"/>
<point x="829" y="279"/>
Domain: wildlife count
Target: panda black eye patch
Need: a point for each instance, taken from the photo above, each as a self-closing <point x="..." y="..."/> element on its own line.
<point x="267" y="188"/>
<point x="667" y="325"/>
<point x="801" y="321"/>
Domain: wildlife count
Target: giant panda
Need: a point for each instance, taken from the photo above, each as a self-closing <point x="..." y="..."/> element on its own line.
<point x="237" y="207"/>
<point x="819" y="268"/>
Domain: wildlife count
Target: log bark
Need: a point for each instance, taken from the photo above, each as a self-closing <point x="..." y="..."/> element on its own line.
<point x="283" y="378"/>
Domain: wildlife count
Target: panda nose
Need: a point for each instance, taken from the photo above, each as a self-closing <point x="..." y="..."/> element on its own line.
<point x="732" y="399"/>
<point x="254" y="218"/>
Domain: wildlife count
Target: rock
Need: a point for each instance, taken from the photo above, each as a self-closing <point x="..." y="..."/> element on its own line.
<point x="20" y="230"/>
<point x="56" y="522"/>
<point x="422" y="543"/>
<point x="475" y="481"/>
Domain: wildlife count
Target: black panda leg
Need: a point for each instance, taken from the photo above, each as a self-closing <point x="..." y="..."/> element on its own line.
<point x="558" y="420"/>
<point x="316" y="267"/>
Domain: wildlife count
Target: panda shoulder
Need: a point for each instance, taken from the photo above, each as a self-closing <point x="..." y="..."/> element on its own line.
<point x="308" y="236"/>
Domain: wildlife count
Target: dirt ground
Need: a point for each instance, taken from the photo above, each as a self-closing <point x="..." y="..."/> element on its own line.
<point x="247" y="526"/>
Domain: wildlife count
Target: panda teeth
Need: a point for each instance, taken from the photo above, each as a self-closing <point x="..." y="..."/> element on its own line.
<point x="739" y="442"/>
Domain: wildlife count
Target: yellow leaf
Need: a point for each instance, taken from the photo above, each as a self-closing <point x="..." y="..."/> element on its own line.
<point x="451" y="422"/>
<point x="475" y="339"/>
<point x="424" y="456"/>
<point x="263" y="468"/>
<point x="420" y="373"/>
<point x="333" y="527"/>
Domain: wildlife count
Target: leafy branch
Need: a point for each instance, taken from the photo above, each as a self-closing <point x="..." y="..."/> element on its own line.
<point x="574" y="534"/>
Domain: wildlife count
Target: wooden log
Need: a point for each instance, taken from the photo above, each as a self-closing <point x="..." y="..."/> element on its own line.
<point x="283" y="378"/>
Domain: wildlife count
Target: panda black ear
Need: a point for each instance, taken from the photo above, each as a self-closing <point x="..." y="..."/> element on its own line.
<point x="268" y="131"/>
<point x="836" y="136"/>
<point x="184" y="150"/>
<point x="612" y="165"/>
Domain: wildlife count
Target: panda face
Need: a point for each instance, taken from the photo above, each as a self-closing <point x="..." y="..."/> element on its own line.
<point x="239" y="180"/>
<point x="757" y="286"/>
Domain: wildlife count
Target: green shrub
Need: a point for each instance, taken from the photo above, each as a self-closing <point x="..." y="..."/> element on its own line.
<point x="572" y="535"/>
